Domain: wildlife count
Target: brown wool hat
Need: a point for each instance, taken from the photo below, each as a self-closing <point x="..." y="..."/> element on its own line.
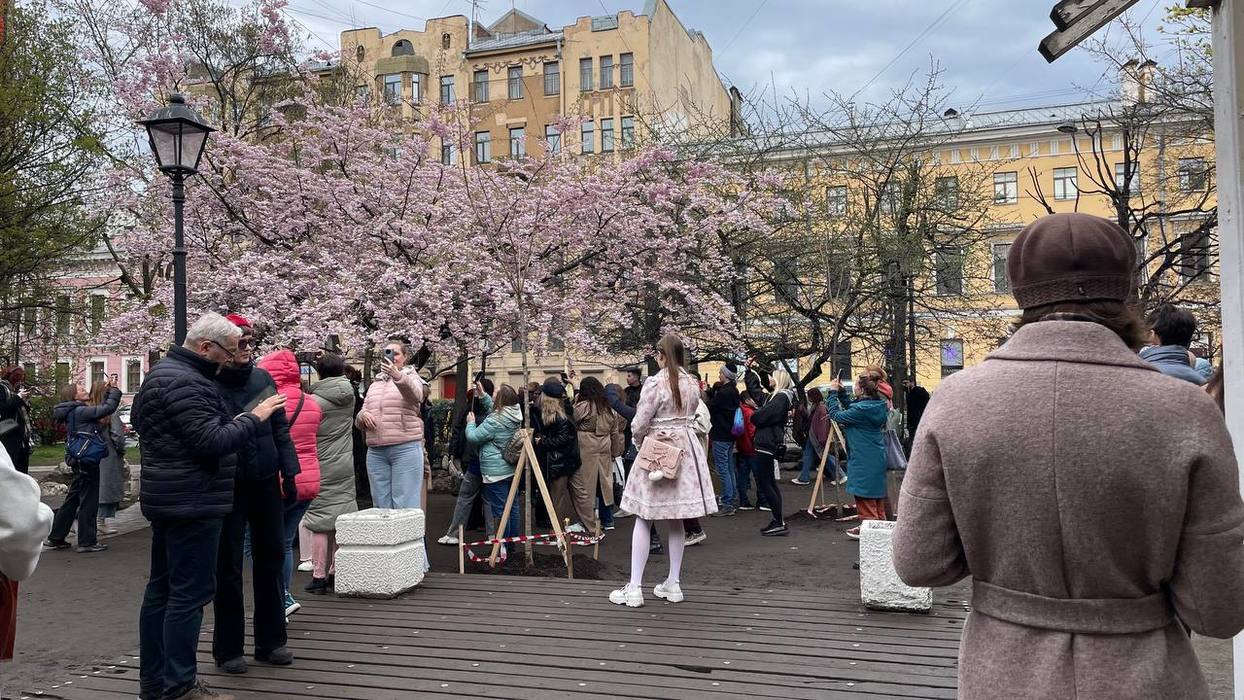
<point x="1071" y="257"/>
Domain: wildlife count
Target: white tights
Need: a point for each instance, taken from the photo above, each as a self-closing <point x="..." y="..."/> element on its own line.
<point x="641" y="540"/>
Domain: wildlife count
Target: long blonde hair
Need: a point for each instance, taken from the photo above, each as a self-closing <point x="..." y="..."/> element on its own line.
<point x="551" y="409"/>
<point x="675" y="361"/>
<point x="782" y="380"/>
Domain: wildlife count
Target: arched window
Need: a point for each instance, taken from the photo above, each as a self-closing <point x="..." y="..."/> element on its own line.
<point x="446" y="40"/>
<point x="359" y="54"/>
<point x="403" y="48"/>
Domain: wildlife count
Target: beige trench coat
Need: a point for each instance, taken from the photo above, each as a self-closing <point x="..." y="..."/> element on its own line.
<point x="1095" y="503"/>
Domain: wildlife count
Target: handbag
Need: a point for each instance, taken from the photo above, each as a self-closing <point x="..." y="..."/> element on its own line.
<point x="659" y="458"/>
<point x="895" y="459"/>
<point x="737" y="430"/>
<point x="83" y="447"/>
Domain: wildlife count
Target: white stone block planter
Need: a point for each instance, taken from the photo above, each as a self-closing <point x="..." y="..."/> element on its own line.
<point x="381" y="552"/>
<point x="880" y="586"/>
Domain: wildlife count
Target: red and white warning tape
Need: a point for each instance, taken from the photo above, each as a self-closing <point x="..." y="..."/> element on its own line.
<point x="545" y="539"/>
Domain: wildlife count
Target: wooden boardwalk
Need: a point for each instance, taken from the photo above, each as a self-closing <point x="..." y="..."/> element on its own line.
<point x="508" y="637"/>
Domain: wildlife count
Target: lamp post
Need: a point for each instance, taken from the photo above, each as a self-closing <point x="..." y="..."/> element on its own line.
<point x="177" y="135"/>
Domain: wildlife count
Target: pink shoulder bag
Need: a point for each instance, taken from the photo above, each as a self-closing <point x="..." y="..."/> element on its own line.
<point x="659" y="458"/>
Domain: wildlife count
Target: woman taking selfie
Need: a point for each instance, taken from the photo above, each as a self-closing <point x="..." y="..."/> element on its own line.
<point x="666" y="415"/>
<point x="391" y="423"/>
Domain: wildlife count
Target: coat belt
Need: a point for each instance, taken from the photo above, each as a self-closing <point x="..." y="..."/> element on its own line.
<point x="1076" y="615"/>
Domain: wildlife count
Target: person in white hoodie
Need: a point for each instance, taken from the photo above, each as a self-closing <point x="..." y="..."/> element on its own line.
<point x="24" y="523"/>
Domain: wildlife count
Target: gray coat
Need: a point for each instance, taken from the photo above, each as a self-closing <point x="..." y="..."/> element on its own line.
<point x="112" y="467"/>
<point x="1094" y="501"/>
<point x="334" y="447"/>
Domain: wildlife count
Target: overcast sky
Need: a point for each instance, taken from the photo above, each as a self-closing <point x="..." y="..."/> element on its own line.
<point x="986" y="48"/>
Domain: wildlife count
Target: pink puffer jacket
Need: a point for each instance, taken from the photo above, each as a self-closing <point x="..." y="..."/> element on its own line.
<point x="394" y="406"/>
<point x="283" y="367"/>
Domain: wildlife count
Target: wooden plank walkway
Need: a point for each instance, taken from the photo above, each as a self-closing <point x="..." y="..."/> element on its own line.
<point x="510" y="637"/>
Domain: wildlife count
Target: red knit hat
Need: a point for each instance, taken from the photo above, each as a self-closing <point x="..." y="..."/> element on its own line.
<point x="239" y="320"/>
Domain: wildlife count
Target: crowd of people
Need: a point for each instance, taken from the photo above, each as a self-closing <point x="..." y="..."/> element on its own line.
<point x="1023" y="472"/>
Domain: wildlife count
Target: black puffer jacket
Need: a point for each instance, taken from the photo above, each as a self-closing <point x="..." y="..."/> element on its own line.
<point x="558" y="446"/>
<point x="189" y="439"/>
<point x="269" y="450"/>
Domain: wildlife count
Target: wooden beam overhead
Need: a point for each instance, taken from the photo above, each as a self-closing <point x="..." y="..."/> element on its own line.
<point x="1068" y="12"/>
<point x="1085" y="23"/>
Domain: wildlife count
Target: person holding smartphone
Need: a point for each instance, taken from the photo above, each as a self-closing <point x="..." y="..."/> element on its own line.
<point x="392" y="424"/>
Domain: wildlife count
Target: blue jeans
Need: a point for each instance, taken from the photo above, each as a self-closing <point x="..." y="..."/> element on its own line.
<point x="293" y="516"/>
<point x="395" y="473"/>
<point x="606" y="512"/>
<point x="723" y="460"/>
<point x="811" y="459"/>
<point x="494" y="496"/>
<point x="183" y="580"/>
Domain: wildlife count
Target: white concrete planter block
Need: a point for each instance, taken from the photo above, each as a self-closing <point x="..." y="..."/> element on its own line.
<point x="880" y="586"/>
<point x="381" y="552"/>
<point x="379" y="571"/>
<point x="380" y="526"/>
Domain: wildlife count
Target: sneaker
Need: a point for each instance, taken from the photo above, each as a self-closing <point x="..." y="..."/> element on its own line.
<point x="91" y="548"/>
<point x="56" y="544"/>
<point x="854" y="533"/>
<point x="104" y="528"/>
<point x="799" y="482"/>
<point x="235" y="665"/>
<point x="200" y="691"/>
<point x="576" y="528"/>
<point x="623" y="513"/>
<point x="609" y="527"/>
<point x="304" y="566"/>
<point x="631" y="597"/>
<point x="747" y="506"/>
<point x="725" y="512"/>
<point x="839" y="482"/>
<point x="281" y="656"/>
<point x="291" y="606"/>
<point x="318" y="586"/>
<point x="448" y="539"/>
<point x="668" y="591"/>
<point x="694" y="538"/>
<point x="775" y="530"/>
<point x="656" y="548"/>
<point x="766" y="509"/>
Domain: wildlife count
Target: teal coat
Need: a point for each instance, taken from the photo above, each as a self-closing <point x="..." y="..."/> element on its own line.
<point x="863" y="425"/>
<point x="492" y="436"/>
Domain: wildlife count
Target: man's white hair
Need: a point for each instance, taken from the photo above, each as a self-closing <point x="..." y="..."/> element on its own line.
<point x="211" y="326"/>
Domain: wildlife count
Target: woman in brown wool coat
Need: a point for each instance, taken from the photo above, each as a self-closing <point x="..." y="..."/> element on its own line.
<point x="1094" y="501"/>
<point x="601" y="434"/>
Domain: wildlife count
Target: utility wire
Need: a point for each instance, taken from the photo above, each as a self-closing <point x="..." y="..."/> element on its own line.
<point x="958" y="4"/>
<point x="744" y="25"/>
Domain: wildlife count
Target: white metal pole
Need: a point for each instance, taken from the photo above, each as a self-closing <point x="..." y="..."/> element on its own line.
<point x="1228" y="44"/>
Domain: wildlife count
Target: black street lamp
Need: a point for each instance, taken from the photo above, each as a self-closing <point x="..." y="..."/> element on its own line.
<point x="178" y="135"/>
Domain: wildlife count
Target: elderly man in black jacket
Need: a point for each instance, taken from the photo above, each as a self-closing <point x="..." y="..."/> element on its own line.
<point x="189" y="440"/>
<point x="266" y="466"/>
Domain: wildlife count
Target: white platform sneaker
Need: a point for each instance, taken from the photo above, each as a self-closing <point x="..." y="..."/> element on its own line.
<point x="631" y="597"/>
<point x="668" y="591"/>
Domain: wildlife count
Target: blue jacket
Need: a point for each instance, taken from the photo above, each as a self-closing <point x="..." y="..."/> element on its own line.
<point x="863" y="425"/>
<point x="492" y="436"/>
<point x="189" y="439"/>
<point x="1172" y="360"/>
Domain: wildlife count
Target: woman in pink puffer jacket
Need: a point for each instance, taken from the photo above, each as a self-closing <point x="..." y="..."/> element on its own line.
<point x="391" y="422"/>
<point x="304" y="421"/>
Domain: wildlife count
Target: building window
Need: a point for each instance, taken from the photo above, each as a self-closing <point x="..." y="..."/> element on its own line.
<point x="552" y="78"/>
<point x="948" y="269"/>
<point x="514" y="76"/>
<point x="447" y="89"/>
<point x="61" y="376"/>
<point x="62" y="314"/>
<point x="946" y="191"/>
<point x="446" y="41"/>
<point x="479" y="85"/>
<point x="133" y="375"/>
<point x="589" y="145"/>
<point x="393" y="89"/>
<point x="1122" y="184"/>
<point x="518" y="142"/>
<point x="606" y="135"/>
<point x="416" y="84"/>
<point x="553" y="135"/>
<point x="516" y="345"/>
<point x="403" y="47"/>
<point x="840" y="360"/>
<point x="889" y="197"/>
<point x="448" y="153"/>
<point x="585" y="74"/>
<point x="98" y="372"/>
<point x="483" y="146"/>
<point x="362" y="92"/>
<point x="1194" y="255"/>
<point x="1005" y="188"/>
<point x="98" y="306"/>
<point x="1001" y="284"/>
<point x="1191" y="174"/>
<point x="836" y="200"/>
<point x="1065" y="184"/>
<point x="628" y="132"/>
<point x="30" y="317"/>
<point x="626" y="72"/>
<point x="952" y="356"/>
<point x="606" y="72"/>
